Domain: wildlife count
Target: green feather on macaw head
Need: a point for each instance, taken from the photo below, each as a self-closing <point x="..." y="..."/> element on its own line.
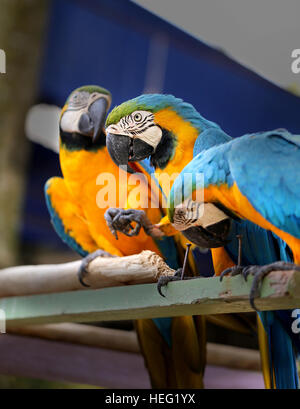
<point x="147" y="102"/>
<point x="90" y="89"/>
<point x="141" y="128"/>
<point x="155" y="103"/>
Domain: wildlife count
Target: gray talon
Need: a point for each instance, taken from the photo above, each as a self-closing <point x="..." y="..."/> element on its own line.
<point x="82" y="272"/>
<point x="163" y="281"/>
<point x="121" y="220"/>
<point x="225" y="272"/>
<point x="259" y="273"/>
<point x="109" y="216"/>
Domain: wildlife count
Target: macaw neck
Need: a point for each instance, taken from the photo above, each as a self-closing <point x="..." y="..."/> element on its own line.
<point x="77" y="142"/>
<point x="74" y="163"/>
<point x="209" y="138"/>
<point x="176" y="151"/>
<point x="177" y="154"/>
<point x="81" y="166"/>
<point x="179" y="136"/>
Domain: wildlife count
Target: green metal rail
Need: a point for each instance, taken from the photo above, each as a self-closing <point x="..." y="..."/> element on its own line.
<point x="280" y="290"/>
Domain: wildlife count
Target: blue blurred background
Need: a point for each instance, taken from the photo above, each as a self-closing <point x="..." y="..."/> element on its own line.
<point x="128" y="50"/>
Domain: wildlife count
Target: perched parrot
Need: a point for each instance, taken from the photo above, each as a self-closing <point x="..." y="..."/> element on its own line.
<point x="161" y="127"/>
<point x="255" y="181"/>
<point x="174" y="349"/>
<point x="165" y="129"/>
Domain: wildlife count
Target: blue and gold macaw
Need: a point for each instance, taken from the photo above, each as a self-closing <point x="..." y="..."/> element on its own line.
<point x="161" y="127"/>
<point x="164" y="128"/>
<point x="80" y="222"/>
<point x="255" y="181"/>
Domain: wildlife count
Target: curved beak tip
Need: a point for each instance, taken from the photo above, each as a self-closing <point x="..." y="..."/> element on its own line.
<point x="118" y="148"/>
<point x="97" y="112"/>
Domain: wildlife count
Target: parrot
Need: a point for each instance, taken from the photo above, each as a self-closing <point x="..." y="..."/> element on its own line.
<point x="156" y="126"/>
<point x="164" y="128"/>
<point x="159" y="126"/>
<point x="259" y="205"/>
<point x="80" y="223"/>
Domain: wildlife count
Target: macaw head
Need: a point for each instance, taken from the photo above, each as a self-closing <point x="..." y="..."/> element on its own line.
<point x="83" y="116"/>
<point x="151" y="126"/>
<point x="204" y="224"/>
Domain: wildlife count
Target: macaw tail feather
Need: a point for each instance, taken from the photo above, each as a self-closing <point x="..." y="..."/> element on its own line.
<point x="277" y="353"/>
<point x="174" y="351"/>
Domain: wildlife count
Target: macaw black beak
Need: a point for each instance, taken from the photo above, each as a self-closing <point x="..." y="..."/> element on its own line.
<point x="118" y="148"/>
<point x="210" y="237"/>
<point x="92" y="123"/>
<point x="124" y="150"/>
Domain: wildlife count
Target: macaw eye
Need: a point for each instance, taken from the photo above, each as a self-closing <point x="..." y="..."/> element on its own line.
<point x="75" y="98"/>
<point x="137" y="117"/>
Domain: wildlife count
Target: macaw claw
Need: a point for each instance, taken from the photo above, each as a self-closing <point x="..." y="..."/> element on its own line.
<point x="259" y="273"/>
<point x="164" y="280"/>
<point x="121" y="220"/>
<point x="82" y="272"/>
<point x="234" y="271"/>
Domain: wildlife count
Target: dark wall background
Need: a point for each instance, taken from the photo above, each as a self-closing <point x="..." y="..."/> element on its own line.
<point x="128" y="50"/>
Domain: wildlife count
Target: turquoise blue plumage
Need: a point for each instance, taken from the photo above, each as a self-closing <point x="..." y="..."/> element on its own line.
<point x="265" y="168"/>
<point x="267" y="173"/>
<point x="260" y="247"/>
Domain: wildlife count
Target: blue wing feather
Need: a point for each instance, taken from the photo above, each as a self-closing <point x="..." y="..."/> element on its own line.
<point x="255" y="161"/>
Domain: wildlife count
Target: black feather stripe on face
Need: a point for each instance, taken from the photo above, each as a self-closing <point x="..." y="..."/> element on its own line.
<point x="141" y="131"/>
<point x="76" y="141"/>
<point x="164" y="150"/>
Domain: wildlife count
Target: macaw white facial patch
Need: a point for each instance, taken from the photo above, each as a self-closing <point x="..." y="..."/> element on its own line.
<point x="139" y="124"/>
<point x="151" y="136"/>
<point x="78" y="104"/>
<point x="211" y="215"/>
<point x="191" y="213"/>
<point x="69" y="121"/>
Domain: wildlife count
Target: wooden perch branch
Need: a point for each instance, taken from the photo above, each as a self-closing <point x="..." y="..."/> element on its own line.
<point x="107" y="338"/>
<point x="145" y="267"/>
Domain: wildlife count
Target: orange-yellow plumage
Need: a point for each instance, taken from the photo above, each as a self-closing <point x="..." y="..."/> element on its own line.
<point x="234" y="200"/>
<point x="78" y="190"/>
